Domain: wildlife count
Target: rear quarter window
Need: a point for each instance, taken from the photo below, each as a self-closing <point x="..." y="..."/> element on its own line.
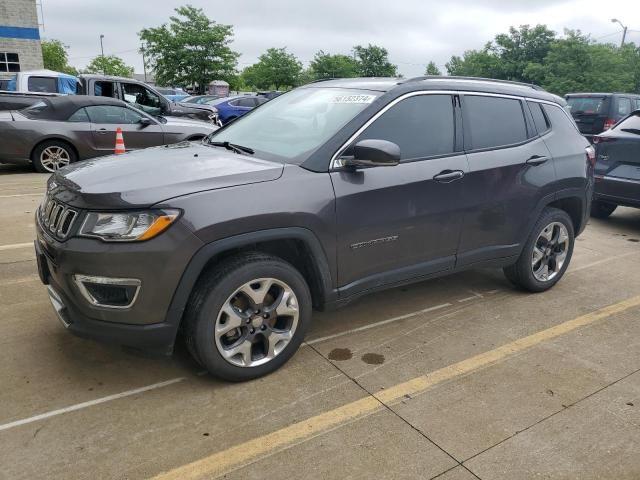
<point x="493" y="122"/>
<point x="539" y="118"/>
<point x="43" y="84"/>
<point x="560" y="122"/>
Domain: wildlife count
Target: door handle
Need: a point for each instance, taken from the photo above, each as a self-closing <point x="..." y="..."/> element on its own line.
<point x="448" y="176"/>
<point x="536" y="160"/>
<point x="102" y="131"/>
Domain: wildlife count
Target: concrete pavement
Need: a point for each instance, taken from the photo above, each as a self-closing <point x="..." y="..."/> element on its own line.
<point x="478" y="404"/>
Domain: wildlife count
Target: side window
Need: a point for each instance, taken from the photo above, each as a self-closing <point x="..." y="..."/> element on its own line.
<point x="624" y="106"/>
<point x="43" y="84"/>
<point x="79" y="116"/>
<point x="422" y="126"/>
<point x="560" y="120"/>
<point x="142" y="98"/>
<point x="104" y="89"/>
<point x="494" y="121"/>
<point x="112" y="114"/>
<point x="539" y="118"/>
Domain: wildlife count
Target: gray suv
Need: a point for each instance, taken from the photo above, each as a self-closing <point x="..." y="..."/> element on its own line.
<point x="329" y="192"/>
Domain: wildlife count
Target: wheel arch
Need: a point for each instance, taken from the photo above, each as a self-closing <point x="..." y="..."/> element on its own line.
<point x="296" y="245"/>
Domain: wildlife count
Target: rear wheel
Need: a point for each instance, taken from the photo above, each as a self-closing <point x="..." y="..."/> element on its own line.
<point x="248" y="317"/>
<point x="52" y="155"/>
<point x="602" y="209"/>
<point x="547" y="253"/>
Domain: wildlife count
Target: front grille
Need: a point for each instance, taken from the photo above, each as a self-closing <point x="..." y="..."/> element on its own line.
<point x="57" y="218"/>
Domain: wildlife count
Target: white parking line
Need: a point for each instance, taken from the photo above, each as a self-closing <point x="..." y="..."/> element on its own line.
<point x="600" y="262"/>
<point x="377" y="324"/>
<point x="90" y="403"/>
<point x="22" y="195"/>
<point x="15" y="246"/>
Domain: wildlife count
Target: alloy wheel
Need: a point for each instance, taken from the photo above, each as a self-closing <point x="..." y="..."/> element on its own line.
<point x="54" y="157"/>
<point x="550" y="252"/>
<point x="256" y="322"/>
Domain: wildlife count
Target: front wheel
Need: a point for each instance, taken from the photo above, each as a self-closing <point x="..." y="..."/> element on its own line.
<point x="248" y="317"/>
<point x="602" y="209"/>
<point x="546" y="254"/>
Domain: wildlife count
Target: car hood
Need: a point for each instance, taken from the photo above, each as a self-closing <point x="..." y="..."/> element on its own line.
<point x="188" y="122"/>
<point x="146" y="177"/>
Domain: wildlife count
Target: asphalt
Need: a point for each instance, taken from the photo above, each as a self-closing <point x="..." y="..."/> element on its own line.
<point x="458" y="378"/>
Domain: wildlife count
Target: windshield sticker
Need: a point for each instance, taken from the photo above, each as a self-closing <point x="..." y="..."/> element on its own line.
<point x="354" y="99"/>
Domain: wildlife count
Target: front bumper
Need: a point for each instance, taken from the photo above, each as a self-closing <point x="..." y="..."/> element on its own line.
<point x="159" y="264"/>
<point x="620" y="191"/>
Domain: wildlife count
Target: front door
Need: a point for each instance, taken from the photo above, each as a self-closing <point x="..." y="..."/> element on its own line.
<point x="105" y="120"/>
<point x="402" y="222"/>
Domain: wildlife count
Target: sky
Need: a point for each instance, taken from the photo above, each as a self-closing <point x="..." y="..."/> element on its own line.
<point x="413" y="31"/>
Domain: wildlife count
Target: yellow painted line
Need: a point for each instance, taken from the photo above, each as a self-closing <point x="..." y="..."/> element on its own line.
<point x="15" y="246"/>
<point x="244" y="453"/>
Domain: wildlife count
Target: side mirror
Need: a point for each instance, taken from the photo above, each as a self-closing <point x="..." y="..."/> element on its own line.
<point x="145" y="122"/>
<point x="374" y="153"/>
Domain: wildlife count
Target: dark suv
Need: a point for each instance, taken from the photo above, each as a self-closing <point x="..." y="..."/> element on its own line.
<point x="595" y="113"/>
<point x="331" y="191"/>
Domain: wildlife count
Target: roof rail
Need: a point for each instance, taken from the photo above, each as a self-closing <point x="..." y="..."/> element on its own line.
<point x="455" y="77"/>
<point x="321" y="80"/>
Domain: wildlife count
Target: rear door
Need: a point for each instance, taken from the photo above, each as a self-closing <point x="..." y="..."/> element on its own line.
<point x="397" y="223"/>
<point x="590" y="112"/>
<point x="510" y="171"/>
<point x="105" y="120"/>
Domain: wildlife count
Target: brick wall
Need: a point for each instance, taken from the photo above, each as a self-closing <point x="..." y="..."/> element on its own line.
<point x="21" y="13"/>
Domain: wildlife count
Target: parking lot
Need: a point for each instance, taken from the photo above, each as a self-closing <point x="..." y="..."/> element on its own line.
<point x="457" y="378"/>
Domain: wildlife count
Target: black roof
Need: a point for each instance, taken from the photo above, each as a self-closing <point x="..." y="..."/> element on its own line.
<point x="61" y="108"/>
<point x="484" y="85"/>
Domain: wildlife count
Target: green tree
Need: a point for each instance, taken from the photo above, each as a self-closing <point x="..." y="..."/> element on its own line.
<point x="191" y="50"/>
<point x="475" y="63"/>
<point x="54" y="55"/>
<point x="109" y="65"/>
<point x="373" y="61"/>
<point x="432" y="69"/>
<point x="325" y="65"/>
<point x="276" y="68"/>
<point x="520" y="47"/>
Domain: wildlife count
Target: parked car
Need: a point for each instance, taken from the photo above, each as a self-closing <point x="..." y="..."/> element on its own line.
<point x="230" y="108"/>
<point x="596" y="112"/>
<point x="617" y="173"/>
<point x="200" y="99"/>
<point x="173" y="94"/>
<point x="58" y="131"/>
<point x="330" y="192"/>
<point x="270" y="95"/>
<point x="43" y="81"/>
<point x="141" y="95"/>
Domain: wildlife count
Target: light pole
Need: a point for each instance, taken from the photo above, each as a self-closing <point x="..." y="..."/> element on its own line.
<point x="624" y="30"/>
<point x="102" y="53"/>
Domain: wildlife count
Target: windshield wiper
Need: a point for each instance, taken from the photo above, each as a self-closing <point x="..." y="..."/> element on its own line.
<point x="233" y="147"/>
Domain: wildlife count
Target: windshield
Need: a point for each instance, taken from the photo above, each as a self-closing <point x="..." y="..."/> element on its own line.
<point x="586" y="105"/>
<point x="295" y="124"/>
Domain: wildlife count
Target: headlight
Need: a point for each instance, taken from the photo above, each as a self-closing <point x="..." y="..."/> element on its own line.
<point x="127" y="226"/>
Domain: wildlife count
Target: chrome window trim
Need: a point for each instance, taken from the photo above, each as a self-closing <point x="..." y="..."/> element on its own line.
<point x="78" y="279"/>
<point x="335" y="160"/>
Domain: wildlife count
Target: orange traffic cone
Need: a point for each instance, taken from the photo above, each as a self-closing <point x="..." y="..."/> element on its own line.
<point x="119" y="143"/>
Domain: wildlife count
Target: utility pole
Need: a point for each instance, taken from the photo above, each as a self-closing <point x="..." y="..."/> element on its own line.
<point x="144" y="63"/>
<point x="624" y="30"/>
<point x="102" y="54"/>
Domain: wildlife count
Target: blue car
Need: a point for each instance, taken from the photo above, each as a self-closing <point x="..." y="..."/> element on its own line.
<point x="230" y="108"/>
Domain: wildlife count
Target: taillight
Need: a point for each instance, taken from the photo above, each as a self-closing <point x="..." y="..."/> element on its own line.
<point x="608" y="123"/>
<point x="591" y="155"/>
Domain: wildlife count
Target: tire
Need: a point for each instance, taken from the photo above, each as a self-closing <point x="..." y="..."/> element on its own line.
<point x="602" y="209"/>
<point x="529" y="274"/>
<point x="52" y="155"/>
<point x="220" y="318"/>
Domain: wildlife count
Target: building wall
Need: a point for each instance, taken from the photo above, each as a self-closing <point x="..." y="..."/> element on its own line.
<point x="19" y="33"/>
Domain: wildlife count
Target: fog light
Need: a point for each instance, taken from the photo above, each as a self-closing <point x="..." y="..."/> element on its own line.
<point x="108" y="292"/>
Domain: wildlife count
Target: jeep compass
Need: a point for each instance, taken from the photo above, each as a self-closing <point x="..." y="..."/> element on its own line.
<point x="328" y="192"/>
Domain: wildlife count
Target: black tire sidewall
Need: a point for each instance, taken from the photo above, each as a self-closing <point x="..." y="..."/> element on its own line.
<point x="525" y="272"/>
<point x="217" y="295"/>
<point x="35" y="158"/>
